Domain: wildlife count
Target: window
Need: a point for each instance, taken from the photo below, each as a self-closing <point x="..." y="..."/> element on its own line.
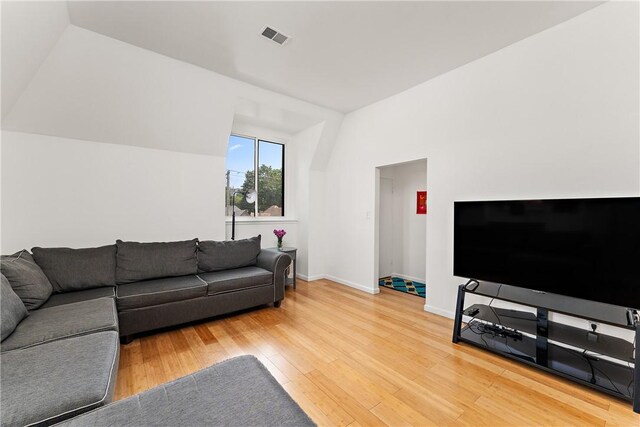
<point x="255" y="164"/>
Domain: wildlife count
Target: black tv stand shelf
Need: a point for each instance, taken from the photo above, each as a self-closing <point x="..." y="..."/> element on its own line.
<point x="605" y="363"/>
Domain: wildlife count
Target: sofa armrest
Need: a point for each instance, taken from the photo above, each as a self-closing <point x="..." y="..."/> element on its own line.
<point x="277" y="263"/>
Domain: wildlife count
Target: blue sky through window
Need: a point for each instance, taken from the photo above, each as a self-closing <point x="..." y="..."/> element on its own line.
<point x="239" y="159"/>
<point x="270" y="154"/>
<point x="240" y="154"/>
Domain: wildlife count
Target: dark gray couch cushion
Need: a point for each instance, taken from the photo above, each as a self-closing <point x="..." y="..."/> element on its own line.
<point x="64" y="321"/>
<point x="233" y="280"/>
<point x="57" y="380"/>
<point x="217" y="256"/>
<point x="159" y="291"/>
<point x="77" y="269"/>
<point x="12" y="310"/>
<point x="26" y="278"/>
<point x="77" y="296"/>
<point x="142" y="261"/>
<point x="236" y="392"/>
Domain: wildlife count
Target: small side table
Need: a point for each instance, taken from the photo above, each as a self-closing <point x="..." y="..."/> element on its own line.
<point x="291" y="251"/>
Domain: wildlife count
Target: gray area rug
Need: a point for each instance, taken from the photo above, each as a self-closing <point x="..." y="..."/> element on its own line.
<point x="236" y="392"/>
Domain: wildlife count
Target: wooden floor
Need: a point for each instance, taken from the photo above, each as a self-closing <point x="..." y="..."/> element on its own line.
<point x="349" y="358"/>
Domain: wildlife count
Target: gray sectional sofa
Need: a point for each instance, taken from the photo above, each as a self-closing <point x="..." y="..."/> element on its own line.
<point x="64" y="312"/>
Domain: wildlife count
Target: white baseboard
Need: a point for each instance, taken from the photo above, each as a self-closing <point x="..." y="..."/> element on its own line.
<point x="404" y="276"/>
<point x="354" y="285"/>
<point x="310" y="278"/>
<point x="439" y="311"/>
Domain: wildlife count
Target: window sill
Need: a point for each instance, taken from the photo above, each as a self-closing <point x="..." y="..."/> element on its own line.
<point x="254" y="220"/>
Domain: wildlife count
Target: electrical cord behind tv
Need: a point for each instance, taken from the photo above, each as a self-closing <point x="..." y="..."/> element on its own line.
<point x="491" y="302"/>
<point x="479" y="332"/>
<point x="584" y="355"/>
<point x="593" y="372"/>
<point x="481" y="329"/>
<point x="609" y="379"/>
<point x="629" y="365"/>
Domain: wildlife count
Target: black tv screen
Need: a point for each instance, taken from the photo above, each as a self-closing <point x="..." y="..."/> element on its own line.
<point x="585" y="248"/>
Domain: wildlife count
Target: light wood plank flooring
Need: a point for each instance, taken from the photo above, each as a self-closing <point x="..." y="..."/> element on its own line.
<point x="349" y="358"/>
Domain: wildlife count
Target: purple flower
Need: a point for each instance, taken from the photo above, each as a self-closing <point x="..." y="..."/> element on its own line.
<point x="279" y="233"/>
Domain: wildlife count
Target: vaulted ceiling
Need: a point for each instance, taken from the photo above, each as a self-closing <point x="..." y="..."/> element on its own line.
<point x="342" y="55"/>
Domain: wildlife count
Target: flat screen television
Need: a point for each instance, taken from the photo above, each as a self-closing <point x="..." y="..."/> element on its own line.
<point x="585" y="248"/>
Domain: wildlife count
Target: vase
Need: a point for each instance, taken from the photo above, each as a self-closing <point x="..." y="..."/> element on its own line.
<point x="280" y="244"/>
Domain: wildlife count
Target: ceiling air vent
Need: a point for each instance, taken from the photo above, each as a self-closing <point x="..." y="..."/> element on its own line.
<point x="274" y="35"/>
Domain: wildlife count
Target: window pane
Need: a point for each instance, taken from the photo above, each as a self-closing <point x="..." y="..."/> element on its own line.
<point x="240" y="174"/>
<point x="270" y="179"/>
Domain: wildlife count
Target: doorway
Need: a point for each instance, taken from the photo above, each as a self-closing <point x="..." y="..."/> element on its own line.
<point x="402" y="228"/>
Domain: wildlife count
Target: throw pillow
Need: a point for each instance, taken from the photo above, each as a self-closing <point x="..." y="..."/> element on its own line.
<point x="216" y="256"/>
<point x="26" y="278"/>
<point x="12" y="310"/>
<point x="77" y="269"/>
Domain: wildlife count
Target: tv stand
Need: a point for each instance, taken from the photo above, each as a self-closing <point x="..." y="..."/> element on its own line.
<point x="591" y="358"/>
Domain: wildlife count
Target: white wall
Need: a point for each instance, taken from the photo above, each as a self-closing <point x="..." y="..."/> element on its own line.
<point x="311" y="202"/>
<point x="66" y="192"/>
<point x="555" y="115"/>
<point x="386" y="224"/>
<point x="95" y="88"/>
<point x="29" y="32"/>
<point x="408" y="229"/>
<point x="92" y="89"/>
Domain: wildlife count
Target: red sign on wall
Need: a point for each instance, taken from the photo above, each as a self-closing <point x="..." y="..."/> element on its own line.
<point x="421" y="202"/>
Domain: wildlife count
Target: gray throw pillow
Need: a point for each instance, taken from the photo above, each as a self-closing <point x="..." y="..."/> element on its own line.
<point x="216" y="256"/>
<point x="142" y="261"/>
<point x="26" y="278"/>
<point x="77" y="269"/>
<point x="12" y="310"/>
